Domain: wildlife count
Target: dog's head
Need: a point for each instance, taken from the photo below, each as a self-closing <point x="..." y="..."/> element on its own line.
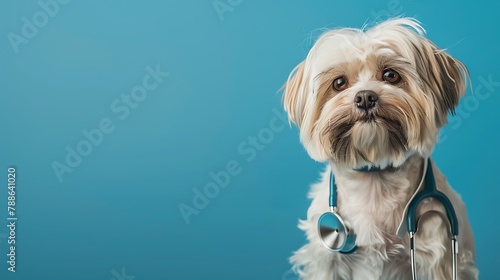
<point x="373" y="97"/>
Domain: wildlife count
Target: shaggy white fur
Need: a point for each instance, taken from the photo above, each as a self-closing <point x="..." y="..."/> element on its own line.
<point x="416" y="85"/>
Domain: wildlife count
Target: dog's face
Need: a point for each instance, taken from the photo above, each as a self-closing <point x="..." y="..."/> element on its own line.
<point x="373" y="97"/>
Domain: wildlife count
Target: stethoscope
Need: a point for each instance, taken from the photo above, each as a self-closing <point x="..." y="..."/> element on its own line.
<point x="336" y="235"/>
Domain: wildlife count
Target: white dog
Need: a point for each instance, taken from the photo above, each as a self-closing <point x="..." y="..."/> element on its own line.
<point x="377" y="99"/>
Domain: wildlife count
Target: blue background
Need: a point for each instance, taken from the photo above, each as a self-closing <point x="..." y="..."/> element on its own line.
<point x="119" y="208"/>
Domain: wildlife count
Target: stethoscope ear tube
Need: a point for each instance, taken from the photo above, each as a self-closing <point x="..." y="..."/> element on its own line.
<point x="430" y="191"/>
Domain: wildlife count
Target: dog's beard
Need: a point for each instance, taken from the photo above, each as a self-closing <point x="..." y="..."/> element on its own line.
<point x="375" y="138"/>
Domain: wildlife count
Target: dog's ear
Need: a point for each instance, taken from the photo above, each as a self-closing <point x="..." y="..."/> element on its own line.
<point x="294" y="95"/>
<point x="444" y="75"/>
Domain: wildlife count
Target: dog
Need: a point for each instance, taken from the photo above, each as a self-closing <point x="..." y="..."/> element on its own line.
<point x="376" y="98"/>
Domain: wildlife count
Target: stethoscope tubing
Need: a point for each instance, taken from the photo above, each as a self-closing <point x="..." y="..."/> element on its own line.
<point x="429" y="191"/>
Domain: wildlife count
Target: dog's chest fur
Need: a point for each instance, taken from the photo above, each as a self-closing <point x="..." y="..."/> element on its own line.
<point x="373" y="202"/>
<point x="373" y="205"/>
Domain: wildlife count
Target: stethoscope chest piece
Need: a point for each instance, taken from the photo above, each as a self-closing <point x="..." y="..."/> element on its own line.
<point x="334" y="233"/>
<point x="332" y="230"/>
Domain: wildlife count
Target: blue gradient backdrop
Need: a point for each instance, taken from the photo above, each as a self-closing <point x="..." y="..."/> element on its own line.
<point x="116" y="215"/>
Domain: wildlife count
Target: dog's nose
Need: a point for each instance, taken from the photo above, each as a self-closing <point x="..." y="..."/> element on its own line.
<point x="365" y="99"/>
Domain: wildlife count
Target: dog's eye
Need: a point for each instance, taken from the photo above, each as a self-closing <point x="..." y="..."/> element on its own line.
<point x="340" y="83"/>
<point x="391" y="76"/>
